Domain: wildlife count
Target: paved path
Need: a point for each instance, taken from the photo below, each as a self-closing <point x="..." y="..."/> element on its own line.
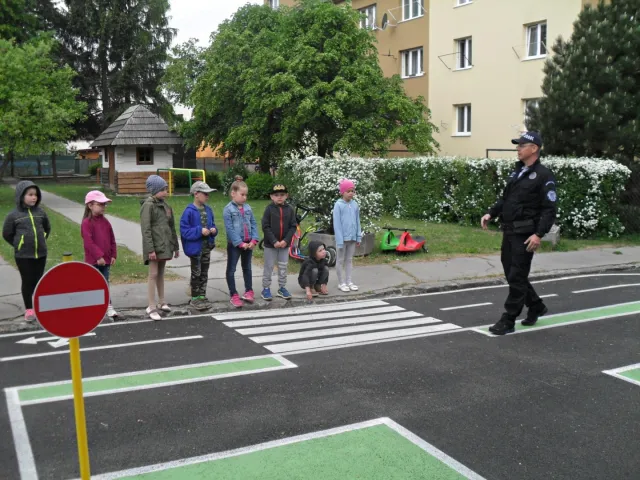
<point x="10" y="299"/>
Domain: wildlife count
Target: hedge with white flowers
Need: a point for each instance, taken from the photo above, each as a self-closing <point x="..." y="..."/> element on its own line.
<point x="459" y="190"/>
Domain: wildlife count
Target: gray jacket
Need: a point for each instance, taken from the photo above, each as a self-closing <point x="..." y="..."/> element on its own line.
<point x="27" y="228"/>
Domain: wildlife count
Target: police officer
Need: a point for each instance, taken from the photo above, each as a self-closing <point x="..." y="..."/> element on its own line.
<point x="528" y="210"/>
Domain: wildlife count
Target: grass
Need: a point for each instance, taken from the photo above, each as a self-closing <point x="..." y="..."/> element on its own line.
<point x="65" y="237"/>
<point x="443" y="240"/>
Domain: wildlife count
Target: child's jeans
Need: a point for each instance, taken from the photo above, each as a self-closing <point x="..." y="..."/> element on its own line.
<point x="104" y="270"/>
<point x="233" y="255"/>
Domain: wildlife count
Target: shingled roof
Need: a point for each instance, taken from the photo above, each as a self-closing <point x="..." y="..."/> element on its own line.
<point x="137" y="126"/>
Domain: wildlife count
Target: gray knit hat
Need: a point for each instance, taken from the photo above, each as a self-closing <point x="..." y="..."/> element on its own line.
<point x="155" y="184"/>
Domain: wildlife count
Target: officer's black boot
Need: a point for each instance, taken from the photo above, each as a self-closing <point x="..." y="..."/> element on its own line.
<point x="535" y="312"/>
<point x="505" y="325"/>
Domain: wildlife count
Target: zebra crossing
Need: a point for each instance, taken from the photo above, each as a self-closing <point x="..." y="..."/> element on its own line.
<point x="331" y="326"/>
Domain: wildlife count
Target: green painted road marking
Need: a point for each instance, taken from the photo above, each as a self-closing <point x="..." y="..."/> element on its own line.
<point x="152" y="378"/>
<point x="376" y="450"/>
<point x="561" y="319"/>
<point x="630" y="373"/>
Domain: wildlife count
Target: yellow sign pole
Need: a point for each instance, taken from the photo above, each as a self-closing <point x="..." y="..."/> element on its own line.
<point x="78" y="400"/>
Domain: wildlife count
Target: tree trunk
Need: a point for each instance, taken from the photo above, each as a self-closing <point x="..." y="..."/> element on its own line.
<point x="8" y="158"/>
<point x="54" y="168"/>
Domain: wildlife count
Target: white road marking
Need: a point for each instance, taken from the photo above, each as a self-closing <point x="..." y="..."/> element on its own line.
<point x="293" y="311"/>
<point x="327" y="323"/>
<point x="24" y="453"/>
<point x="610" y="287"/>
<point x="35" y="341"/>
<point x="430" y="449"/>
<point x="343" y="330"/>
<point x="102" y="347"/>
<point x="312" y="316"/>
<point x="333" y="341"/>
<point x="63" y="301"/>
<point x="467" y="306"/>
<point x="617" y="371"/>
<point x="549" y="295"/>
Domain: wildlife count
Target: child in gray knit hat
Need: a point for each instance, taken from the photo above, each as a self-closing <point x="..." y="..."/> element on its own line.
<point x="159" y="241"/>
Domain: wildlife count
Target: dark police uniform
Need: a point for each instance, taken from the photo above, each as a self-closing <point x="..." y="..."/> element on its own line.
<point x="527" y="207"/>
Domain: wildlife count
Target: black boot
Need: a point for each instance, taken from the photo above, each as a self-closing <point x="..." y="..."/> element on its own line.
<point x="534" y="313"/>
<point x="505" y="325"/>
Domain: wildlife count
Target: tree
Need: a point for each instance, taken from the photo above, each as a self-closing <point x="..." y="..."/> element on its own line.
<point x="22" y="20"/>
<point x="278" y="81"/>
<point x="37" y="100"/>
<point x="591" y="104"/>
<point x="119" y="48"/>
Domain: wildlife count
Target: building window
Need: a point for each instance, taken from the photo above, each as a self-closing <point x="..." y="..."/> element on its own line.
<point x="459" y="3"/>
<point x="463" y="120"/>
<point x="144" y="156"/>
<point x="412" y="63"/>
<point x="529" y="104"/>
<point x="412" y="9"/>
<point x="464" y="53"/>
<point x="274" y="3"/>
<point x="537" y="40"/>
<point x="369" y="21"/>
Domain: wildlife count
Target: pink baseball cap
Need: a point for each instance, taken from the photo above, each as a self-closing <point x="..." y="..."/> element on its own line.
<point x="346" y="184"/>
<point x="96" y="196"/>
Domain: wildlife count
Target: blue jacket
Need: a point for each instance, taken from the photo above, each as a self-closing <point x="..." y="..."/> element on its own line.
<point x="191" y="230"/>
<point x="346" y="222"/>
<point x="234" y="223"/>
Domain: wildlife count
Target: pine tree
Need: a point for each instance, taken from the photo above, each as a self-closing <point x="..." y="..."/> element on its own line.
<point x="591" y="104"/>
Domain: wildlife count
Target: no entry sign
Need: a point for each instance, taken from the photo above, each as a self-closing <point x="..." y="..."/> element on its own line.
<point x="71" y="299"/>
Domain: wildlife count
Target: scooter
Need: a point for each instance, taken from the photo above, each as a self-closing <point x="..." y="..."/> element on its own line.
<point x="405" y="243"/>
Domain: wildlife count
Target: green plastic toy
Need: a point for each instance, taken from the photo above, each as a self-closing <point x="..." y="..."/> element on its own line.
<point x="389" y="240"/>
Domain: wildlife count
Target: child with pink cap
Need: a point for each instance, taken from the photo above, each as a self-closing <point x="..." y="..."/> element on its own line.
<point x="348" y="233"/>
<point x="99" y="240"/>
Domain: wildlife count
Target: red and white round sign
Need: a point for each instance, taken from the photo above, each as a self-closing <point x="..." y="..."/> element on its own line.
<point x="71" y="299"/>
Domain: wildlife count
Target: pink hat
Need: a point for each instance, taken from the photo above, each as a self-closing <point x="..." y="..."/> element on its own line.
<point x="346" y="184"/>
<point x="96" y="196"/>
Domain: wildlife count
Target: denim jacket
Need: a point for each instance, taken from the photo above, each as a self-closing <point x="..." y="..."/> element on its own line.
<point x="234" y="223"/>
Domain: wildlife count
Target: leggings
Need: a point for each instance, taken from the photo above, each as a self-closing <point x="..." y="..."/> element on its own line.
<point x="345" y="261"/>
<point x="31" y="271"/>
<point x="156" y="280"/>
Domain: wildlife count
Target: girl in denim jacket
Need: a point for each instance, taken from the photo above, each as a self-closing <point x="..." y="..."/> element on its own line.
<point x="242" y="237"/>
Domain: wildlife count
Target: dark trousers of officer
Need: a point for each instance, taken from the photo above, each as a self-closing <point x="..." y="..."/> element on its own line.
<point x="516" y="262"/>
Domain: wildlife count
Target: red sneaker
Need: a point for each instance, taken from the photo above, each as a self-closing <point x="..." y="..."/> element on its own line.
<point x="235" y="301"/>
<point x="248" y="296"/>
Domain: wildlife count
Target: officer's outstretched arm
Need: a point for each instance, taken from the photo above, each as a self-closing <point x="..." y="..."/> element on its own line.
<point x="548" y="206"/>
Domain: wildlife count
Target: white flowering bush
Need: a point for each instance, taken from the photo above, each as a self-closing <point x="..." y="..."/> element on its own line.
<point x="459" y="190"/>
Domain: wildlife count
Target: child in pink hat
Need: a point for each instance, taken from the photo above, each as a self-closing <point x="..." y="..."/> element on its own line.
<point x="348" y="233"/>
<point x="99" y="240"/>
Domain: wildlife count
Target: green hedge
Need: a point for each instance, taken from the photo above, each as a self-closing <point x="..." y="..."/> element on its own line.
<point x="260" y="186"/>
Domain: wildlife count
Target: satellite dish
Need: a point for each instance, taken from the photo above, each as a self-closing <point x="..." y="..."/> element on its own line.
<point x="385" y="21"/>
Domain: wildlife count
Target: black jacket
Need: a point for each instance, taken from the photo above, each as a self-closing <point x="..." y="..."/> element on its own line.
<point x="278" y="223"/>
<point x="27" y="228"/>
<point x="306" y="270"/>
<point x="528" y="197"/>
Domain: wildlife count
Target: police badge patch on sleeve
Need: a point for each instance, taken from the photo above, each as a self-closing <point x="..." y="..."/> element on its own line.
<point x="533" y="176"/>
<point x="551" y="195"/>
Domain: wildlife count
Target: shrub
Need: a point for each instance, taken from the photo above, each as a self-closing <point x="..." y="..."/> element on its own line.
<point x="93" y="168"/>
<point x="238" y="168"/>
<point x="213" y="180"/>
<point x="260" y="185"/>
<point x="180" y="179"/>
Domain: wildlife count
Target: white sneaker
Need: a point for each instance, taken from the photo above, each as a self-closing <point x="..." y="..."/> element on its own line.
<point x="153" y="314"/>
<point x="164" y="307"/>
<point x="111" y="312"/>
<point x="344" y="287"/>
<point x="353" y="287"/>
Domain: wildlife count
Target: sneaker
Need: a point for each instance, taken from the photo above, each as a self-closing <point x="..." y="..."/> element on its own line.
<point x="111" y="312"/>
<point x="164" y="307"/>
<point x="503" y="326"/>
<point x="284" y="293"/>
<point x="107" y="319"/>
<point x="266" y="294"/>
<point x="533" y="315"/>
<point x="153" y="314"/>
<point x="344" y="287"/>
<point x="205" y="301"/>
<point x="235" y="300"/>
<point x="353" y="287"/>
<point x="30" y="315"/>
<point x="198" y="303"/>
<point x="248" y="296"/>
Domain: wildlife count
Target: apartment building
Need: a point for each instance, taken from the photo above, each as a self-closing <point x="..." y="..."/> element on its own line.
<point x="478" y="63"/>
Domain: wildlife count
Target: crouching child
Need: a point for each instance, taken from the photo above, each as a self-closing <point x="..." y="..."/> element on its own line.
<point x="314" y="272"/>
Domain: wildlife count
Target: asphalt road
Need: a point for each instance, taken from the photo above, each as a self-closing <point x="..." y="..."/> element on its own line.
<point x="527" y="406"/>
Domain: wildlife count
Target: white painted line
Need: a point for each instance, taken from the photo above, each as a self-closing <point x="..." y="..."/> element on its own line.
<point x="324" y="342"/>
<point x="26" y="461"/>
<point x="294" y="311"/>
<point x="327" y="323"/>
<point x="62" y="301"/>
<point x="312" y="316"/>
<point x="549" y="295"/>
<point x="607" y="288"/>
<point x="431" y="450"/>
<point x="467" y="306"/>
<point x="617" y="371"/>
<point x="102" y="347"/>
<point x="343" y="330"/>
<point x="297" y="439"/>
